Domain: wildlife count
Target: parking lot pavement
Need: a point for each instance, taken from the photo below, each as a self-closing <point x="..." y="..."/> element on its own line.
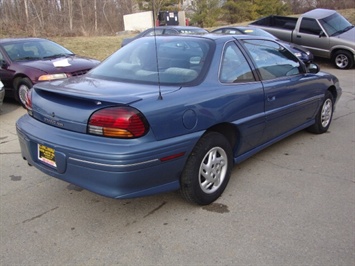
<point x="291" y="204"/>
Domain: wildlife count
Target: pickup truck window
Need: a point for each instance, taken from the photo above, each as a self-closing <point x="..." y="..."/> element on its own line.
<point x="270" y="66"/>
<point x="310" y="26"/>
<point x="234" y="66"/>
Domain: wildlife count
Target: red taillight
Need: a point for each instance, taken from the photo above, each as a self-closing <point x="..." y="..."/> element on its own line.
<point x="118" y="122"/>
<point x="28" y="101"/>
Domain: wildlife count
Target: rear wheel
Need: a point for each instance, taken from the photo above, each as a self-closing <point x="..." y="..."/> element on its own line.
<point x="208" y="169"/>
<point x="324" y="116"/>
<point x="23" y="85"/>
<point x="343" y="59"/>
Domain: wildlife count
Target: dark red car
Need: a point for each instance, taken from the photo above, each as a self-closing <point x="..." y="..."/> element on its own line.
<point x="26" y="61"/>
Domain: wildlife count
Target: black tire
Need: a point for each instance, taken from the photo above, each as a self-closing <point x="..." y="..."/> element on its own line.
<point x="343" y="59"/>
<point x="324" y="116"/>
<point x="212" y="152"/>
<point x="22" y="86"/>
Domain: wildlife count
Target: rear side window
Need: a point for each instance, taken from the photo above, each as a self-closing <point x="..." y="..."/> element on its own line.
<point x="310" y="26"/>
<point x="272" y="59"/>
<point x="234" y="67"/>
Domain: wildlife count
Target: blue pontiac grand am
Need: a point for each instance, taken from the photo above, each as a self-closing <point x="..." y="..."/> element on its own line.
<point x="173" y="113"/>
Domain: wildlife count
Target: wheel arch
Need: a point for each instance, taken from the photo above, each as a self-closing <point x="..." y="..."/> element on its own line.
<point x="344" y="49"/>
<point x="334" y="92"/>
<point x="228" y="130"/>
<point x="17" y="79"/>
<point x="17" y="94"/>
<point x="340" y="48"/>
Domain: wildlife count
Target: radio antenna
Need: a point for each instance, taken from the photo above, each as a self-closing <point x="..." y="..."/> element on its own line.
<point x="160" y="97"/>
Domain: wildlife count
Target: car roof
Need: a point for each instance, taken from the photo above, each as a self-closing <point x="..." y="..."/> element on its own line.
<point x="229" y="27"/>
<point x="319" y="13"/>
<point x="14" y="40"/>
<point x="178" y="27"/>
<point x="241" y="28"/>
<point x="214" y="37"/>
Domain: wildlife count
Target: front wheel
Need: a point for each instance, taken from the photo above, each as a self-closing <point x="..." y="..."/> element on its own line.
<point x="23" y="85"/>
<point x="208" y="169"/>
<point x="324" y="116"/>
<point x="343" y="59"/>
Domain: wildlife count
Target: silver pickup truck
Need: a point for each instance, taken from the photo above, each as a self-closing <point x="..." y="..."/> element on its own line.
<point x="324" y="32"/>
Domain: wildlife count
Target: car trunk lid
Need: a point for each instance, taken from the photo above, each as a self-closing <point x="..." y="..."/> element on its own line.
<point x="69" y="103"/>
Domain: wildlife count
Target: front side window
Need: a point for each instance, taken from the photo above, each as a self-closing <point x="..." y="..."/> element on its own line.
<point x="234" y="67"/>
<point x="272" y="59"/>
<point x="310" y="26"/>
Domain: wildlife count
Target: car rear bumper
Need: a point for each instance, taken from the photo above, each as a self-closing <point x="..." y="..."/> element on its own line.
<point x="109" y="167"/>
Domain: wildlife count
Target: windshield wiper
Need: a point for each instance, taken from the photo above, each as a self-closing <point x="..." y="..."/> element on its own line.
<point x="28" y="58"/>
<point x="343" y="30"/>
<point x="57" y="56"/>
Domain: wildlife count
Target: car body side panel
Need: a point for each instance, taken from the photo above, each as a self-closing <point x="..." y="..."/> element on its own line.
<point x="290" y="102"/>
<point x="242" y="102"/>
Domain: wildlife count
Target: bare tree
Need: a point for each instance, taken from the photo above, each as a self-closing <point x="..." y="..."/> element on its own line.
<point x="89" y="17"/>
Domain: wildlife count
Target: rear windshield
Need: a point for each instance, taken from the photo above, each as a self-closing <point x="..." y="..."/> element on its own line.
<point x="165" y="60"/>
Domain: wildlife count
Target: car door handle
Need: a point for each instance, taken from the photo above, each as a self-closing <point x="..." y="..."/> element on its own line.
<point x="271" y="98"/>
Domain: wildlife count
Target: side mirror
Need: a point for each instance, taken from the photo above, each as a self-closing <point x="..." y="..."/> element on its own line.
<point x="321" y="34"/>
<point x="3" y="64"/>
<point x="313" y="68"/>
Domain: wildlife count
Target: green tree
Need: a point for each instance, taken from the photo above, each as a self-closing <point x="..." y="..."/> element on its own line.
<point x="205" y="13"/>
<point x="270" y="7"/>
<point x="245" y="10"/>
<point x="238" y="10"/>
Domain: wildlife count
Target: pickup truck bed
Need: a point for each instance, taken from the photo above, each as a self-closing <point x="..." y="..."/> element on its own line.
<point x="280" y="22"/>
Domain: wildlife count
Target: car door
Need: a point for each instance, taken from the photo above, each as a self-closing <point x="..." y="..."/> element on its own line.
<point x="290" y="99"/>
<point x="313" y="37"/>
<point x="6" y="75"/>
<point x="244" y="100"/>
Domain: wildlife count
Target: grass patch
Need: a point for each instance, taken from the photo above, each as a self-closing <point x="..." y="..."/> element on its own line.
<point x="98" y="47"/>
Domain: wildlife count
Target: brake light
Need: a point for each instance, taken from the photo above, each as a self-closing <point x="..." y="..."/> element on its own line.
<point x="28" y="101"/>
<point x="118" y="122"/>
